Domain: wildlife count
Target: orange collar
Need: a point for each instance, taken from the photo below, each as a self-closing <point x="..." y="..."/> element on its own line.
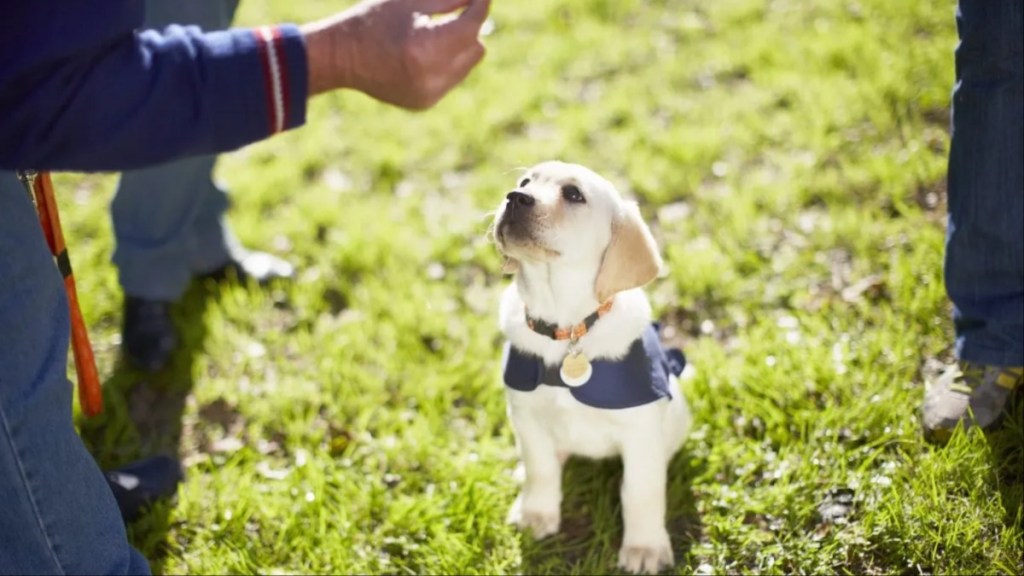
<point x="573" y="333"/>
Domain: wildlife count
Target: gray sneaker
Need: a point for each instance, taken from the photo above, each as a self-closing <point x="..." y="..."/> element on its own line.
<point x="974" y="394"/>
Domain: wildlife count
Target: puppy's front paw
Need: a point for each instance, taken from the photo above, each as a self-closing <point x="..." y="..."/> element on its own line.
<point x="647" y="557"/>
<point x="540" y="521"/>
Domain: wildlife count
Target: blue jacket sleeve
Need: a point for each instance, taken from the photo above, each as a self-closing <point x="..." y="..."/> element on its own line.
<point x="143" y="98"/>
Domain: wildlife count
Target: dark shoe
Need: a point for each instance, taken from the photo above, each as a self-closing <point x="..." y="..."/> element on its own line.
<point x="972" y="394"/>
<point x="148" y="337"/>
<point x="142" y="483"/>
<point x="259" y="267"/>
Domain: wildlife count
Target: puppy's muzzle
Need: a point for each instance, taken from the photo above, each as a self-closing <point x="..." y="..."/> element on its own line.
<point x="516" y="217"/>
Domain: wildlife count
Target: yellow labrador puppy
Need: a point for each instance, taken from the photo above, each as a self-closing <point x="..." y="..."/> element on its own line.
<point x="583" y="367"/>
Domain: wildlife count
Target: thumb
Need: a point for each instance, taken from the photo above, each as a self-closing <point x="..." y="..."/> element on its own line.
<point x="475" y="14"/>
<point x="438" y="6"/>
<point x="468" y="23"/>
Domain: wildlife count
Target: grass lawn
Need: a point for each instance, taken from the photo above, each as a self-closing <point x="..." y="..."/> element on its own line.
<point x="790" y="157"/>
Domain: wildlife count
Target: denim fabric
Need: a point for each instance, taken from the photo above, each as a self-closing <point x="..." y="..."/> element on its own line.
<point x="57" y="513"/>
<point x="169" y="220"/>
<point x="984" y="268"/>
<point x="169" y="225"/>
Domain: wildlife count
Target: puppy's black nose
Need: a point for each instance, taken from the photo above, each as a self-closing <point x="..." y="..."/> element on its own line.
<point x="517" y="198"/>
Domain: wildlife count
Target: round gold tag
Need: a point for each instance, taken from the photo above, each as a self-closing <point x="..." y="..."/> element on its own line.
<point x="576" y="370"/>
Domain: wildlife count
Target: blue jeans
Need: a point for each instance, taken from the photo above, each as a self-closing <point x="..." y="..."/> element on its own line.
<point x="985" y="238"/>
<point x="169" y="220"/>
<point x="57" y="513"/>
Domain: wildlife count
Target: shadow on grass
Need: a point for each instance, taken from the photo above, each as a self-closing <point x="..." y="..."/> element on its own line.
<point x="591" y="530"/>
<point x="143" y="416"/>
<point x="1007" y="452"/>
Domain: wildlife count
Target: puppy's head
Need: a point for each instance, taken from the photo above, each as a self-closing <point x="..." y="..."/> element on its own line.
<point x="567" y="215"/>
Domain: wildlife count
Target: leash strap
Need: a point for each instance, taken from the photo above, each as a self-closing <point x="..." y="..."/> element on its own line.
<point x="40" y="188"/>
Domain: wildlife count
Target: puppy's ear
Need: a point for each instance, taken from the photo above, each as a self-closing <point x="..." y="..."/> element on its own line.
<point x="631" y="259"/>
<point x="510" y="266"/>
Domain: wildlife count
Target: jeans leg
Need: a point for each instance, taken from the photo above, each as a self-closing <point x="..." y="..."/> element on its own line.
<point x="984" y="267"/>
<point x="169" y="219"/>
<point x="57" y="513"/>
<point x="210" y="241"/>
<point x="154" y="213"/>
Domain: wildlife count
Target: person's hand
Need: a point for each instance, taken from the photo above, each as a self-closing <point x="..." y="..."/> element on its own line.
<point x="395" y="50"/>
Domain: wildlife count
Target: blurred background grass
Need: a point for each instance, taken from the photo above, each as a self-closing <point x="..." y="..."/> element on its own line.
<point x="790" y="157"/>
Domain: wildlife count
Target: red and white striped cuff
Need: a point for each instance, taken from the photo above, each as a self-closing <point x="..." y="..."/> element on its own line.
<point x="275" y="75"/>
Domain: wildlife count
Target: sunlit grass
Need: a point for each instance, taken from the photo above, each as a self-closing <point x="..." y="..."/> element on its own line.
<point x="791" y="158"/>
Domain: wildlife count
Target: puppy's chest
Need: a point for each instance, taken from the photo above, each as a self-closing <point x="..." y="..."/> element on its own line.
<point x="639" y="377"/>
<point x="574" y="427"/>
<point x="591" y="419"/>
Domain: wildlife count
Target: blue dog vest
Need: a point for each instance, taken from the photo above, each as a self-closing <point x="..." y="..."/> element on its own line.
<point x="640" y="378"/>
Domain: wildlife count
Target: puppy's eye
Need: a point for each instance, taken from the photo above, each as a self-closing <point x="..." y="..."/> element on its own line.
<point x="524" y="182"/>
<point x="572" y="194"/>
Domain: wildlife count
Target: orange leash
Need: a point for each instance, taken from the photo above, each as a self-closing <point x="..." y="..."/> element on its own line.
<point x="89" y="393"/>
